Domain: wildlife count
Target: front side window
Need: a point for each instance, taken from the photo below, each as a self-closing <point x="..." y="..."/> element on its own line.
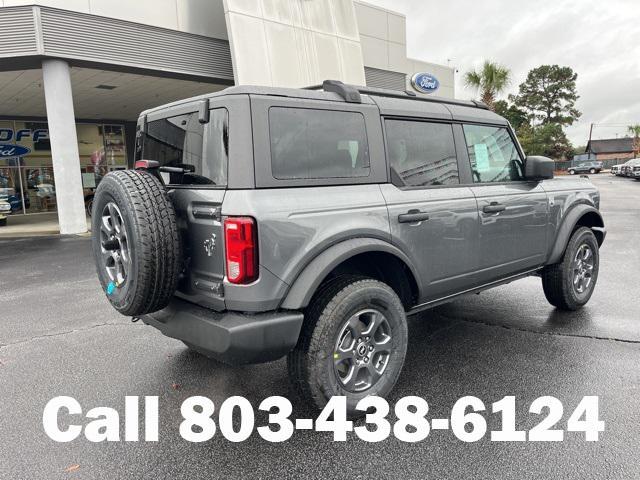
<point x="308" y="143"/>
<point x="493" y="154"/>
<point x="421" y="153"/>
<point x="182" y="141"/>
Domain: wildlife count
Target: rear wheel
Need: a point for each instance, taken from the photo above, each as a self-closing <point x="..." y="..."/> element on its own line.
<point x="568" y="285"/>
<point x="353" y="343"/>
<point x="136" y="246"/>
<point x="572" y="172"/>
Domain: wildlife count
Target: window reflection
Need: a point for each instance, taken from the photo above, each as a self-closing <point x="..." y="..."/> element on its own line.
<point x="27" y="182"/>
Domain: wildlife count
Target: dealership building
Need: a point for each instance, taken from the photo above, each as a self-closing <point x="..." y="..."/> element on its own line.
<point x="75" y="74"/>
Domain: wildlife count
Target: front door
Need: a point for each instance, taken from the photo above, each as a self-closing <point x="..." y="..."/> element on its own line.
<point x="513" y="212"/>
<point x="433" y="218"/>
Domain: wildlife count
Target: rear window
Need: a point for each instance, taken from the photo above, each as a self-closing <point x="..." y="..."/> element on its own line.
<point x="421" y="154"/>
<point x="310" y="143"/>
<point x="182" y="141"/>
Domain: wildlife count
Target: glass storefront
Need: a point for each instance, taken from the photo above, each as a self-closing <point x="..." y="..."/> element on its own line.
<point x="26" y="170"/>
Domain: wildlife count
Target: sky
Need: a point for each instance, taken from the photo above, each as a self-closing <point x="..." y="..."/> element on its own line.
<point x="599" y="39"/>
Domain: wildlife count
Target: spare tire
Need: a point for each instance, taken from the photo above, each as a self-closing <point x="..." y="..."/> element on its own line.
<point x="136" y="244"/>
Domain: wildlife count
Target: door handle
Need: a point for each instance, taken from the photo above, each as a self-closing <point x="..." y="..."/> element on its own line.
<point x="494" y="207"/>
<point x="413" y="216"/>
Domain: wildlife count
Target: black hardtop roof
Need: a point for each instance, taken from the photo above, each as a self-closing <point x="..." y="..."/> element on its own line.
<point x="392" y="102"/>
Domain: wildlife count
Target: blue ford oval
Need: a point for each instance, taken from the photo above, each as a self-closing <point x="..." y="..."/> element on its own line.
<point x="425" y="82"/>
<point x="9" y="150"/>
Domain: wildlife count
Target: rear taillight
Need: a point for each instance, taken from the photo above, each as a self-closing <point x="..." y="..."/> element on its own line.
<point x="145" y="164"/>
<point x="241" y="246"/>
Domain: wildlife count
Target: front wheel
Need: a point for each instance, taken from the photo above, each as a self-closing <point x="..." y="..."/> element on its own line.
<point x="568" y="285"/>
<point x="592" y="171"/>
<point x="353" y="343"/>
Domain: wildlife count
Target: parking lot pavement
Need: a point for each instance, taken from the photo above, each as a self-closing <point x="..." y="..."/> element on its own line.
<point x="59" y="336"/>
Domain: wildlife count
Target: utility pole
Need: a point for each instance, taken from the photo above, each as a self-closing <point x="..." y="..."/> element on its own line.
<point x="589" y="144"/>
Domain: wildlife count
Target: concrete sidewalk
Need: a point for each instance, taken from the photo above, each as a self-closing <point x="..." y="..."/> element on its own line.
<point x="37" y="225"/>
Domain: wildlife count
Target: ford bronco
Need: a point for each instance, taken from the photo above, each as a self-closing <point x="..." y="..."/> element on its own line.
<point x="261" y="222"/>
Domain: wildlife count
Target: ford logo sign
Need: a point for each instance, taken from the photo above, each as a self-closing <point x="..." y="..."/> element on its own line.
<point x="425" y="82"/>
<point x="8" y="150"/>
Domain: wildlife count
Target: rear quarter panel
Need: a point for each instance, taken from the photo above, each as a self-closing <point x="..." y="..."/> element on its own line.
<point x="296" y="224"/>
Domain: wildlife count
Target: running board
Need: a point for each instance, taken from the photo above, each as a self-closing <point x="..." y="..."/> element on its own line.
<point x="434" y="303"/>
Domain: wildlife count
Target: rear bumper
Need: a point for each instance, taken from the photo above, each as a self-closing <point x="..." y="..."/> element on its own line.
<point x="231" y="337"/>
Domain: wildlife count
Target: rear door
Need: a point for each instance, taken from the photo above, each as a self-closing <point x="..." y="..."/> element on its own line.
<point x="178" y="139"/>
<point x="433" y="217"/>
<point x="513" y="212"/>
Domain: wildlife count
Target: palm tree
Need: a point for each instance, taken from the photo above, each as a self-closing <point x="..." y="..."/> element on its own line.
<point x="490" y="81"/>
<point x="635" y="131"/>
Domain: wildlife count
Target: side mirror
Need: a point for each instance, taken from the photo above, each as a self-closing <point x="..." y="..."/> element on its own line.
<point x="538" y="168"/>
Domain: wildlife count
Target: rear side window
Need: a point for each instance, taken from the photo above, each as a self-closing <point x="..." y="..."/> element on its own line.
<point x="309" y="143"/>
<point x="182" y="141"/>
<point x="421" y="154"/>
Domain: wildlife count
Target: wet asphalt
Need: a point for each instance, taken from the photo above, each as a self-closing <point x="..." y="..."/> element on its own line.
<point x="59" y="336"/>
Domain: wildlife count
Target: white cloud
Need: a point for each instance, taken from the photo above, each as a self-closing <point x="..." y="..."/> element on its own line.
<point x="599" y="40"/>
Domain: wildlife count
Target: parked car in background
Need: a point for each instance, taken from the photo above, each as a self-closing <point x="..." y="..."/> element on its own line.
<point x="627" y="167"/>
<point x="585" y="167"/>
<point x="621" y="168"/>
<point x="634" y="169"/>
<point x="5" y="210"/>
<point x="5" y="206"/>
<point x="615" y="170"/>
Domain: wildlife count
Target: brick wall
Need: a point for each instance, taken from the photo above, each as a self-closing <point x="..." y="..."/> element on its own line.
<point x="611" y="156"/>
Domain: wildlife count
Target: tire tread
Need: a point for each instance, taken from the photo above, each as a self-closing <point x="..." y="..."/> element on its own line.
<point x="158" y="247"/>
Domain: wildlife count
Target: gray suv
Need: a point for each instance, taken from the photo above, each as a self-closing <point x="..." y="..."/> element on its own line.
<point x="585" y="167"/>
<point x="309" y="223"/>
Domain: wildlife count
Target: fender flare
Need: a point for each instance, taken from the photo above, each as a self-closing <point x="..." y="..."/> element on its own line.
<point x="305" y="285"/>
<point x="569" y="222"/>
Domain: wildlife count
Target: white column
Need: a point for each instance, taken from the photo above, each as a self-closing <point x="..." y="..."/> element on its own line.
<point x="64" y="146"/>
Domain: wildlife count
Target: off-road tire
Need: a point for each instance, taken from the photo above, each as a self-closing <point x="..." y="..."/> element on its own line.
<point x="152" y="237"/>
<point x="310" y="363"/>
<point x="557" y="279"/>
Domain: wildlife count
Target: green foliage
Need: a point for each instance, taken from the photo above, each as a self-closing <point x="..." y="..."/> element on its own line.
<point x="490" y="81"/>
<point x="635" y="131"/>
<point x="512" y="113"/>
<point x="549" y="95"/>
<point x="546" y="139"/>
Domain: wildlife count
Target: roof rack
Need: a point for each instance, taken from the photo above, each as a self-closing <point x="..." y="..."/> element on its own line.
<point x="351" y="94"/>
<point x="348" y="92"/>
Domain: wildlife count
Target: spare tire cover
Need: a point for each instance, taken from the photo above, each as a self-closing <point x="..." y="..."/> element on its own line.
<point x="136" y="244"/>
